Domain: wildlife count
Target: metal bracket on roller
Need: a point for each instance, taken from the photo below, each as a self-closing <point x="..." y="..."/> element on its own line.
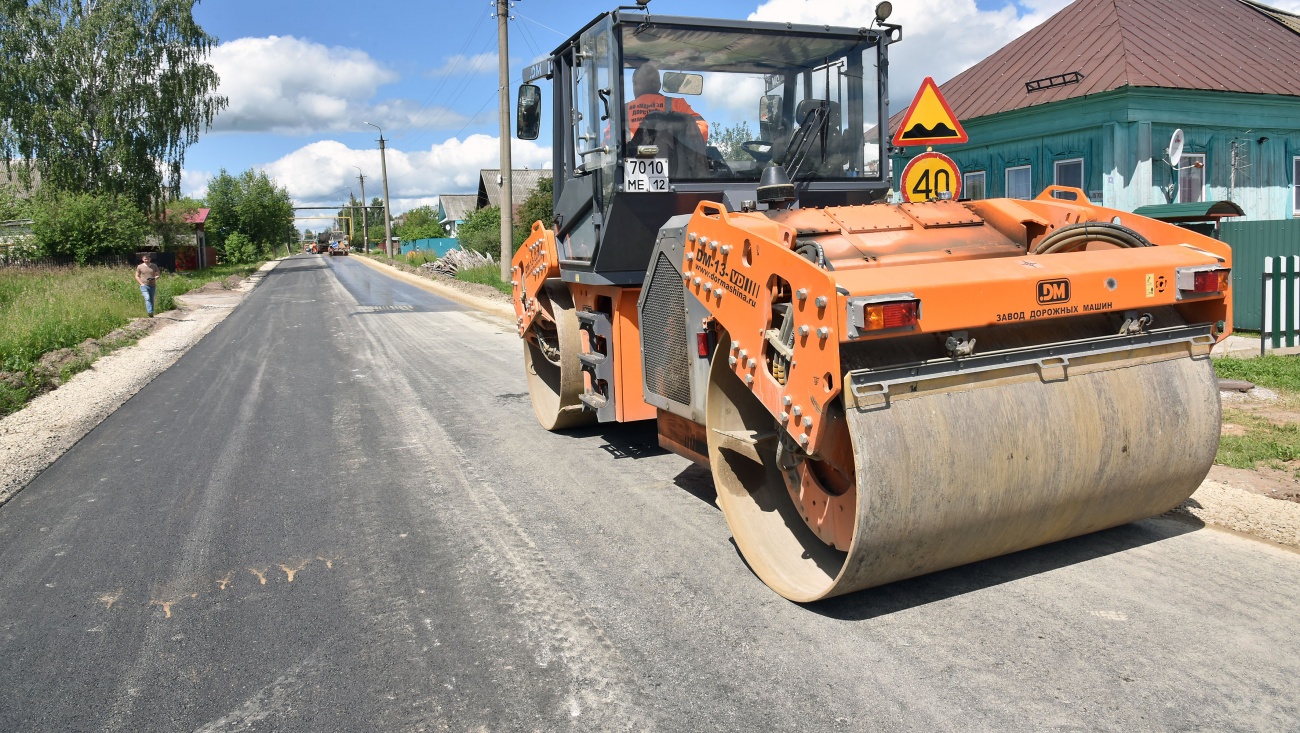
<point x="872" y="389"/>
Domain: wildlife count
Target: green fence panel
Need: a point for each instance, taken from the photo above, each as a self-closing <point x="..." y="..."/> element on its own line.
<point x="1251" y="242"/>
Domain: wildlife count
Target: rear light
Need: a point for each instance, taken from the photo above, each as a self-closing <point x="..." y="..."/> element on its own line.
<point x="1203" y="280"/>
<point x="900" y="314"/>
<point x="702" y="344"/>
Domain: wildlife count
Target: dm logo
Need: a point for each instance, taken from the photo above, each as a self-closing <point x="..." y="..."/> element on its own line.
<point x="1053" y="291"/>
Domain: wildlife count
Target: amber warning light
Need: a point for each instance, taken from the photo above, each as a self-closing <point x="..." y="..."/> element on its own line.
<point x="882" y="316"/>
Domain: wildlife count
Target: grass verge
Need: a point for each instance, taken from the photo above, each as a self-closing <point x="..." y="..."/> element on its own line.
<point x="1265" y="441"/>
<point x="44" y="310"/>
<point x="1272" y="371"/>
<point x="484" y="275"/>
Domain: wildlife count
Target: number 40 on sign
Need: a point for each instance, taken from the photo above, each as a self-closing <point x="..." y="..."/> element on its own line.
<point x="930" y="176"/>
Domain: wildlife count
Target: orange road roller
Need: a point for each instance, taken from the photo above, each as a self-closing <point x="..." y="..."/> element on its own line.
<point x="880" y="390"/>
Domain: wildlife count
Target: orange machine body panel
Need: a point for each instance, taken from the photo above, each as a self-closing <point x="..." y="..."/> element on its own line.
<point x="534" y="263"/>
<point x="629" y="399"/>
<point x="969" y="265"/>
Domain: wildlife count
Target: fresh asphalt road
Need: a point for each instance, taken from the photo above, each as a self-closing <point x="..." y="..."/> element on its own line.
<point x="337" y="513"/>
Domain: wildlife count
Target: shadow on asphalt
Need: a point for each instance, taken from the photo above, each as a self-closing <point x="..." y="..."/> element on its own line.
<point x="624" y="440"/>
<point x="906" y="594"/>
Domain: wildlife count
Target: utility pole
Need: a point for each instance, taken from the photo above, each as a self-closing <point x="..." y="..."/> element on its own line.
<point x="383" y="169"/>
<point x="365" y="210"/>
<point x="505" y="179"/>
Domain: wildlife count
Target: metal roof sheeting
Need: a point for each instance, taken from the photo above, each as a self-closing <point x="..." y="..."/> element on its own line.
<point x="522" y="183"/>
<point x="457" y="206"/>
<point x="1218" y="45"/>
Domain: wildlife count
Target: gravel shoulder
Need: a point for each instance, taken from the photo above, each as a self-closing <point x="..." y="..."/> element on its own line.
<point x="37" y="435"/>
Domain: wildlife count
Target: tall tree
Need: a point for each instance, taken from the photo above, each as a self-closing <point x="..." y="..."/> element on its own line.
<point x="105" y="95"/>
<point x="250" y="204"/>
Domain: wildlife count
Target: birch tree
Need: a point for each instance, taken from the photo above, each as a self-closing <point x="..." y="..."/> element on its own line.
<point x="104" y="95"/>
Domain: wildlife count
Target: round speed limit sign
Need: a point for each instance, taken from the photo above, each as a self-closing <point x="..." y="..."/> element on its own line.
<point x="930" y="176"/>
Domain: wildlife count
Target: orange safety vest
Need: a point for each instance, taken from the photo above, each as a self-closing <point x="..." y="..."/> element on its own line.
<point x="643" y="105"/>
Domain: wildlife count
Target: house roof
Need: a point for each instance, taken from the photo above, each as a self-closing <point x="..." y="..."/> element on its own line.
<point x="457" y="206"/>
<point x="1290" y="20"/>
<point x="198" y="216"/>
<point x="522" y="183"/>
<point x="1219" y="45"/>
<point x="10" y="176"/>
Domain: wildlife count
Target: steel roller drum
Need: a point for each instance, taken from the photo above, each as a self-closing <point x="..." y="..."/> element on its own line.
<point x="555" y="386"/>
<point x="960" y="475"/>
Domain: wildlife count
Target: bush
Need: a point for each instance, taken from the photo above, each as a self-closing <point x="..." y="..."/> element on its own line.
<point x="82" y="226"/>
<point x="240" y="249"/>
<point x="481" y="232"/>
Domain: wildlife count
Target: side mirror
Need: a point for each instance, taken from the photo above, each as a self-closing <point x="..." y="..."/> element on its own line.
<point x="528" y="119"/>
<point x="679" y="82"/>
<point x="769" y="108"/>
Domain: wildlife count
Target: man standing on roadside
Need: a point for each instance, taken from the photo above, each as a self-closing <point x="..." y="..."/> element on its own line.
<point x="147" y="275"/>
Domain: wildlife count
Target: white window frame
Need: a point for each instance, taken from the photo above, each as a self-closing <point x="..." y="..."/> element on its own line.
<point x="1295" y="186"/>
<point x="1006" y="180"/>
<point x="965" y="183"/>
<point x="1187" y="164"/>
<point x="1056" y="172"/>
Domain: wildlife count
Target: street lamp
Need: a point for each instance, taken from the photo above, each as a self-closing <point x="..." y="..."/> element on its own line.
<point x="365" y="210"/>
<point x="388" y="218"/>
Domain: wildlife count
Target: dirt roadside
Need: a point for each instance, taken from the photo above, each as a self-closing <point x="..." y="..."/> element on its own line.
<point x="35" y="436"/>
<point x="484" y="298"/>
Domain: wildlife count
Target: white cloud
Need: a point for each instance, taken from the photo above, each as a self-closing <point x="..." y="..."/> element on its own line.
<point x="322" y="172"/>
<point x="289" y="85"/>
<point x="941" y="38"/>
<point x="194" y="183"/>
<point x="461" y="65"/>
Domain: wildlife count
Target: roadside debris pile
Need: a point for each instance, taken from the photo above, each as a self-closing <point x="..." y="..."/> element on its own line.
<point x="458" y="259"/>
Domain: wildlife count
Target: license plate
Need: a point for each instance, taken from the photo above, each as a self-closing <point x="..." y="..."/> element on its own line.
<point x="645" y="175"/>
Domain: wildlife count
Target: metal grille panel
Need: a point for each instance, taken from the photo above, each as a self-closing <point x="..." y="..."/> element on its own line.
<point x="663" y="335"/>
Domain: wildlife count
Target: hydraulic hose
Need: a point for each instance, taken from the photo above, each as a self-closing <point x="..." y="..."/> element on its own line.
<point x="1073" y="236"/>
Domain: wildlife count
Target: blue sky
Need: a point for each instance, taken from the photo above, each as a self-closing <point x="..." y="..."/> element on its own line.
<point x="302" y="79"/>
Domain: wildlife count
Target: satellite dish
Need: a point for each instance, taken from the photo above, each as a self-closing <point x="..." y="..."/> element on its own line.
<point x="1176" y="148"/>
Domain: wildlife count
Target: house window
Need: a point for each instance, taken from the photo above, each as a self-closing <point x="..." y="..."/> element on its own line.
<point x="1070" y="173"/>
<point x="972" y="185"/>
<point x="1020" y="182"/>
<point x="1295" y="186"/>
<point x="1191" y="179"/>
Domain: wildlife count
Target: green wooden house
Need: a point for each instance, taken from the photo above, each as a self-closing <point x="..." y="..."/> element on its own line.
<point x="1091" y="98"/>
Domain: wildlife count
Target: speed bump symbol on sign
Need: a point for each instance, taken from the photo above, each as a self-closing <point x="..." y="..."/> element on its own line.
<point x="930" y="176"/>
<point x="930" y="121"/>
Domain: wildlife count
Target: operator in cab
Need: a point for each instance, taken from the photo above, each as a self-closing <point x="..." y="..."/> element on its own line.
<point x="646" y="87"/>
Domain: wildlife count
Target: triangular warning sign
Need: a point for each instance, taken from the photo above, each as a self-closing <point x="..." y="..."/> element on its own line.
<point x="929" y="121"/>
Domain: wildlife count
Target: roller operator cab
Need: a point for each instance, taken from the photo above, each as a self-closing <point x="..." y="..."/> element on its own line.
<point x="879" y="390"/>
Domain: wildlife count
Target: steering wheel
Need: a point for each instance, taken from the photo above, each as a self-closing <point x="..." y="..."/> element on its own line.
<point x="759" y="150"/>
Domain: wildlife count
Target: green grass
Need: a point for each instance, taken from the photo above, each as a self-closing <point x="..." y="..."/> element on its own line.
<point x="1272" y="371"/>
<point x="42" y="310"/>
<point x="1264" y="442"/>
<point x="485" y="275"/>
